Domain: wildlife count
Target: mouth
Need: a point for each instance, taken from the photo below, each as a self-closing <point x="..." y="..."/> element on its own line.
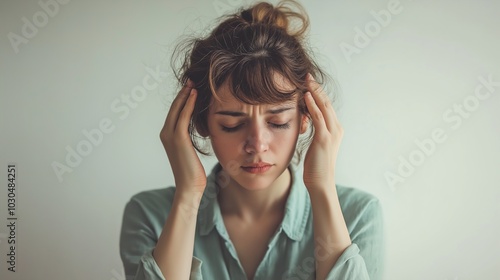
<point x="257" y="168"/>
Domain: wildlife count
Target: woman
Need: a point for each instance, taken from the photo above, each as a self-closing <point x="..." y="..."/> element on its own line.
<point x="249" y="87"/>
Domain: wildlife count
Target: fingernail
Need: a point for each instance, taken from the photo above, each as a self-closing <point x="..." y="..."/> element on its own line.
<point x="189" y="83"/>
<point x="311" y="77"/>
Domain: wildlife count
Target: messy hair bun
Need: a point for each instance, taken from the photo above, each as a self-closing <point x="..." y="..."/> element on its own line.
<point x="248" y="50"/>
<point x="282" y="16"/>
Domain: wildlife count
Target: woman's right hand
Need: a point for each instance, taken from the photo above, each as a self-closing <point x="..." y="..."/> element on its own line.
<point x="186" y="165"/>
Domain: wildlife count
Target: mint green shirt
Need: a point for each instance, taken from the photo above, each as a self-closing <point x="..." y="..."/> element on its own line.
<point x="291" y="250"/>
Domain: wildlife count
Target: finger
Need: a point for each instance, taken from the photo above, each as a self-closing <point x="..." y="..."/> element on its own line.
<point x="186" y="113"/>
<point x="316" y="115"/>
<point x="322" y="102"/>
<point x="176" y="107"/>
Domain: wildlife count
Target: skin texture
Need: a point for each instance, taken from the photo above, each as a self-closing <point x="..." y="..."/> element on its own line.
<point x="250" y="196"/>
<point x="248" y="200"/>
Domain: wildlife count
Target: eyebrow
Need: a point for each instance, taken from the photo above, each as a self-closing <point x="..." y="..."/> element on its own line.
<point x="241" y="114"/>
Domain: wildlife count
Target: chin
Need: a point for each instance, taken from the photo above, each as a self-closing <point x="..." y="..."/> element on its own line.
<point x="254" y="186"/>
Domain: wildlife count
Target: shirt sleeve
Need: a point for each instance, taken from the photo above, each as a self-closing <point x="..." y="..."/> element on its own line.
<point x="137" y="242"/>
<point x="364" y="258"/>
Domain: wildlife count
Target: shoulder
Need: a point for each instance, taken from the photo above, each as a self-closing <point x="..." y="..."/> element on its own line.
<point x="151" y="202"/>
<point x="357" y="204"/>
<point x="351" y="195"/>
<point x="363" y="216"/>
<point x="161" y="195"/>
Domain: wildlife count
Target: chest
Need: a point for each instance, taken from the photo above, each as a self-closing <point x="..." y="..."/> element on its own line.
<point x="251" y="241"/>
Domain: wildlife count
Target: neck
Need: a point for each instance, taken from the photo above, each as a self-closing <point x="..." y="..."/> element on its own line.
<point x="238" y="202"/>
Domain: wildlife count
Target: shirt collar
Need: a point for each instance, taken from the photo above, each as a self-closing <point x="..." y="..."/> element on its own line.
<point x="297" y="207"/>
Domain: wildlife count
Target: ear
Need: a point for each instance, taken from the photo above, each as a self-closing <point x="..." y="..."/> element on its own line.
<point x="304" y="123"/>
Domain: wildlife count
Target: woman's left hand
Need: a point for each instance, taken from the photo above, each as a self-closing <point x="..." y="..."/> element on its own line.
<point x="319" y="163"/>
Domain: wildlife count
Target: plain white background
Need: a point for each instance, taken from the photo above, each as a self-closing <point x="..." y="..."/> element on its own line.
<point x="402" y="83"/>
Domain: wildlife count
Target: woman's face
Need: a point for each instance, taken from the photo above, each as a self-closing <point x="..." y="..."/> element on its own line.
<point x="243" y="134"/>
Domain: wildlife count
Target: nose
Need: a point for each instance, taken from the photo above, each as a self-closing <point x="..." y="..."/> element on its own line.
<point x="257" y="141"/>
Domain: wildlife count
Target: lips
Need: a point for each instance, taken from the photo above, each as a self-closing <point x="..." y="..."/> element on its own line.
<point x="257" y="168"/>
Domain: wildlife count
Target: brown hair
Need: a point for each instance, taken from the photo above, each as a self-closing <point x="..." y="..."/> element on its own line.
<point x="245" y="50"/>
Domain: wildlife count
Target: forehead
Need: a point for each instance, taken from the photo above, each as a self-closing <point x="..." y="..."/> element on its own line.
<point x="228" y="100"/>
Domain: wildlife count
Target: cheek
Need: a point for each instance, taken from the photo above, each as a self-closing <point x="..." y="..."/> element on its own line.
<point x="286" y="138"/>
<point x="225" y="144"/>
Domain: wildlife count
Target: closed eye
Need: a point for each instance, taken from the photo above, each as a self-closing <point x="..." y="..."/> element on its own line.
<point x="230" y="129"/>
<point x="280" y="126"/>
<point x="272" y="125"/>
